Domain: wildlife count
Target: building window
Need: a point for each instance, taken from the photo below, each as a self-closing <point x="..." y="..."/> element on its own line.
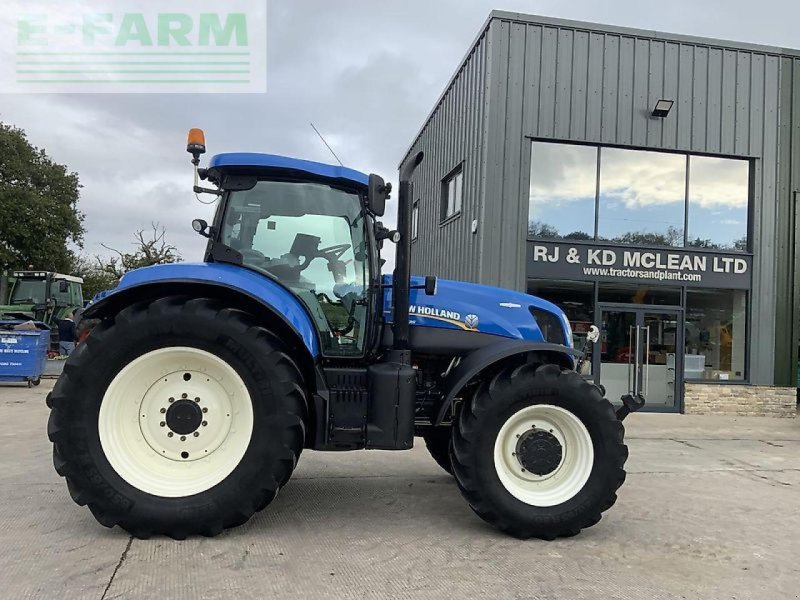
<point x="716" y="325"/>
<point x="638" y="197"/>
<point x="642" y="197"/>
<point x="639" y="294"/>
<point x="415" y="220"/>
<point x="718" y="192"/>
<point x="452" y="190"/>
<point x="576" y="299"/>
<point x="562" y="191"/>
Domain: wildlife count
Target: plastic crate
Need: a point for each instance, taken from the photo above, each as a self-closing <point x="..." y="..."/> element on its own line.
<point x="23" y="354"/>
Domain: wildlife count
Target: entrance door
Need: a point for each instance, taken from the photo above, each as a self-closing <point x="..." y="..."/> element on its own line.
<point x="640" y="350"/>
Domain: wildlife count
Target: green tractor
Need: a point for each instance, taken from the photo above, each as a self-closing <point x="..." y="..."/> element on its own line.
<point x="41" y="296"/>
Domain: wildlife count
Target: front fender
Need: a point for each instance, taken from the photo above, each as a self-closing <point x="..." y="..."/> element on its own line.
<point x="479" y="360"/>
<point x="183" y="277"/>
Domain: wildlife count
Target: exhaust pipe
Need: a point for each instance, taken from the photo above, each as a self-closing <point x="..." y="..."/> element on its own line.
<point x="401" y="280"/>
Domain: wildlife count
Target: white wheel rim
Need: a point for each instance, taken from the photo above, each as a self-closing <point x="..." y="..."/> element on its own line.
<point x="567" y="479"/>
<point x="133" y="414"/>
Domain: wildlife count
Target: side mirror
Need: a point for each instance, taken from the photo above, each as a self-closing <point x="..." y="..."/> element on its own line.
<point x="593" y="335"/>
<point x="430" y="285"/>
<point x="201" y="227"/>
<point x="377" y="195"/>
<point x="63" y="286"/>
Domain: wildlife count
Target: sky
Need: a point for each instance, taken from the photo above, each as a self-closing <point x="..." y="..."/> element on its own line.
<point x="366" y="73"/>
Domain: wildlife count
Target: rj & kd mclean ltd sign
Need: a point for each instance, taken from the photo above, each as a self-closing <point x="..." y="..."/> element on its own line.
<point x="558" y="260"/>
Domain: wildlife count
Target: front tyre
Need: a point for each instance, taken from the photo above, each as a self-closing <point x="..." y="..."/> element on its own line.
<point x="437" y="441"/>
<point x="178" y="417"/>
<point x="539" y="452"/>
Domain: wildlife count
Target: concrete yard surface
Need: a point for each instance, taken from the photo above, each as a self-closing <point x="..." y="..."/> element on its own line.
<point x="710" y="509"/>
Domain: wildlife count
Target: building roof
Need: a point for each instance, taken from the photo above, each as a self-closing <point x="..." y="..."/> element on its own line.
<point x="254" y="159"/>
<point x="502" y="15"/>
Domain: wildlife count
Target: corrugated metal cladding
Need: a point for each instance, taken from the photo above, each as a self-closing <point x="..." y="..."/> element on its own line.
<point x="535" y="77"/>
<point x="453" y="135"/>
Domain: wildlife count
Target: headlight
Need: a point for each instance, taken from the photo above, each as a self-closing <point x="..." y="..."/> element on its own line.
<point x="552" y="327"/>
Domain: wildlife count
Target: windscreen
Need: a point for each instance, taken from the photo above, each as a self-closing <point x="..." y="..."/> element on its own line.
<point x="311" y="238"/>
<point x="29" y="291"/>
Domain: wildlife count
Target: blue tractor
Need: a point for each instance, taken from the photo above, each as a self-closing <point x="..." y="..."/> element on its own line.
<point x="187" y="408"/>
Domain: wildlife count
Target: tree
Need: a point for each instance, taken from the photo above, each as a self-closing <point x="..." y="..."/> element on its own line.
<point x="95" y="279"/>
<point x="672" y="237"/>
<point x="39" y="216"/>
<point x="543" y="230"/>
<point x="151" y="249"/>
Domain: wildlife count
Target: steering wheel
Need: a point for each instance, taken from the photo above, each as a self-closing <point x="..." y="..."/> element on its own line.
<point x="336" y="250"/>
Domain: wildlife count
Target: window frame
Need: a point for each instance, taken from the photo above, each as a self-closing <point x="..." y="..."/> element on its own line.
<point x="456" y="174"/>
<point x="415" y="220"/>
<point x="749" y="159"/>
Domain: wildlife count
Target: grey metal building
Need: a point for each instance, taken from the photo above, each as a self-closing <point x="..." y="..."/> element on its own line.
<point x="646" y="182"/>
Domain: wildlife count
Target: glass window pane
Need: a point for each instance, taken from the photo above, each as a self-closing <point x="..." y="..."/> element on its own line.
<point x="562" y="191"/>
<point x="639" y="294"/>
<point x="576" y="299"/>
<point x="716" y="324"/>
<point x="718" y="201"/>
<point x="642" y="197"/>
<point x="459" y="188"/>
<point x="415" y="220"/>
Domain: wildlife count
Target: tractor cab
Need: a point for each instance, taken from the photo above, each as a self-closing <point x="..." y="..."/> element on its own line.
<point x="42" y="295"/>
<point x="311" y="232"/>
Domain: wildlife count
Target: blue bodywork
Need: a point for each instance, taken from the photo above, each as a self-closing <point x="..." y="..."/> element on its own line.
<point x="252" y="159"/>
<point x="473" y="307"/>
<point x="456" y="305"/>
<point x="234" y="277"/>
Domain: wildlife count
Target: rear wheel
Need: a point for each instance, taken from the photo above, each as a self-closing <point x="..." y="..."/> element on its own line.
<point x="539" y="452"/>
<point x="177" y="417"/>
<point x="437" y="440"/>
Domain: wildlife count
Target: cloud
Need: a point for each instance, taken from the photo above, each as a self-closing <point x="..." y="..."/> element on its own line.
<point x="366" y="73"/>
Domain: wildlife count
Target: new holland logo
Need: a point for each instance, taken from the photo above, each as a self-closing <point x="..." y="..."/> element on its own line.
<point x="471" y="321"/>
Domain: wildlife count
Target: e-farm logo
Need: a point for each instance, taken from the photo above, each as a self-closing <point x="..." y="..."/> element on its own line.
<point x="177" y="46"/>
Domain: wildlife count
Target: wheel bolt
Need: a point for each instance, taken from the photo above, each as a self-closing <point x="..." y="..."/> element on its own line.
<point x="162" y="423"/>
<point x="172" y="399"/>
<point x="184" y="396"/>
<point x="205" y="423"/>
<point x="170" y="434"/>
<point x="183" y="438"/>
<point x="513" y="454"/>
<point x="196" y="433"/>
<point x="205" y="410"/>
<point x="163" y="410"/>
<point x="523" y="470"/>
<point x="517" y="435"/>
<point x="197" y="399"/>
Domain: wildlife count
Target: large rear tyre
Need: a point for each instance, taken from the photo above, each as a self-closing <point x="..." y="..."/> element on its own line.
<point x="539" y="452"/>
<point x="437" y="441"/>
<point x="177" y="417"/>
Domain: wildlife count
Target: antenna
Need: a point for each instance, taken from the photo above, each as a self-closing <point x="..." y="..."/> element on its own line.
<point x="326" y="144"/>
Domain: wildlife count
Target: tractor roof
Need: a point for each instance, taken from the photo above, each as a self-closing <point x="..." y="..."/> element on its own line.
<point x="43" y="274"/>
<point x="254" y="159"/>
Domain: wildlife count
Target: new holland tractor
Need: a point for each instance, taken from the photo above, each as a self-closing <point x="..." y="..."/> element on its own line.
<point x="189" y="405"/>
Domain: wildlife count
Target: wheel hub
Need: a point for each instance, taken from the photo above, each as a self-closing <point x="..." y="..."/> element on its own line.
<point x="184" y="417"/>
<point x="175" y="421"/>
<point x="539" y="452"/>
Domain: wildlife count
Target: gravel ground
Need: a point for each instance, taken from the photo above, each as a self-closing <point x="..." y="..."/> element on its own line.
<point x="711" y="509"/>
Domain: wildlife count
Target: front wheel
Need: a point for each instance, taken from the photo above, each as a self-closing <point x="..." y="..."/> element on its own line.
<point x="437" y="440"/>
<point x="539" y="452"/>
<point x="178" y="417"/>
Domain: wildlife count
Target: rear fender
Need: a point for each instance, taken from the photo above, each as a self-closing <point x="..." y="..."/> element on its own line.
<point x="479" y="361"/>
<point x="220" y="280"/>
